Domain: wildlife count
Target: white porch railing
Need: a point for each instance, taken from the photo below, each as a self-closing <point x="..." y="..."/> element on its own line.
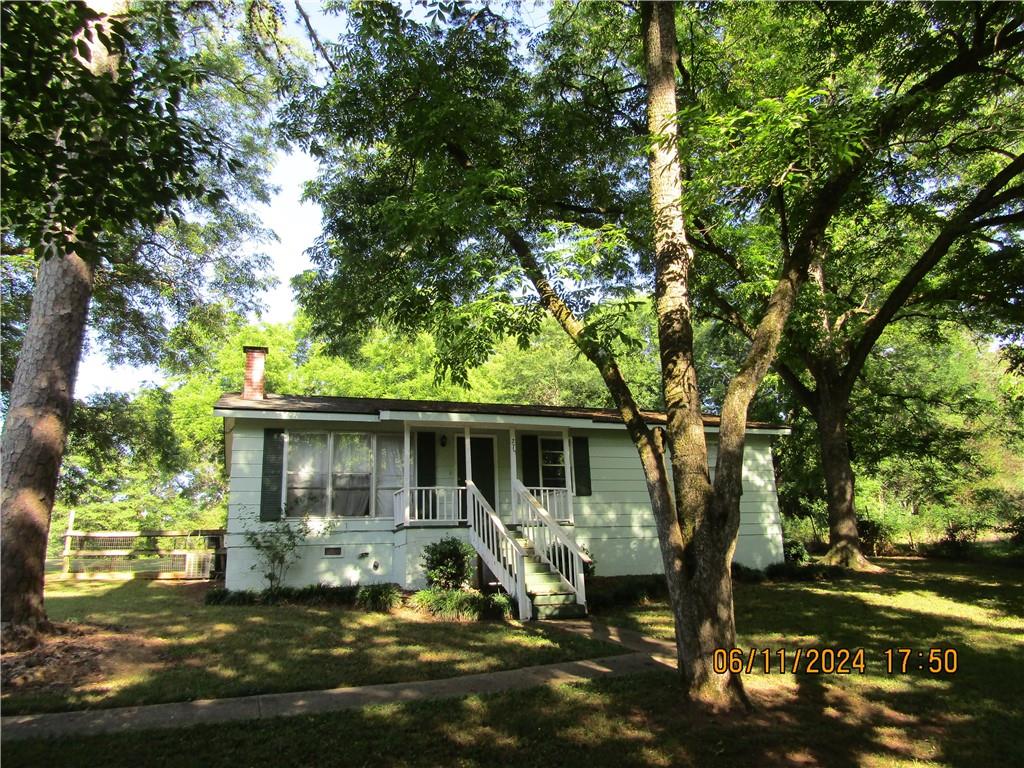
<point x="550" y="542"/>
<point x="501" y="553"/>
<point x="555" y="500"/>
<point x="433" y="504"/>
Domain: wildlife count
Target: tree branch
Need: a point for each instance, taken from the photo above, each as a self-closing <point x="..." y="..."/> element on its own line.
<point x="955" y="227"/>
<point x="314" y="38"/>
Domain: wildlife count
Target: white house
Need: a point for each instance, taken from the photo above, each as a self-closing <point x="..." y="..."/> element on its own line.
<point x="539" y="489"/>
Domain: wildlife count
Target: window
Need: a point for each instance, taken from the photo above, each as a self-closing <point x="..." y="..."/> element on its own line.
<point x="334" y="474"/>
<point x="552" y="463"/>
<point x="306" y="476"/>
<point x="351" y="475"/>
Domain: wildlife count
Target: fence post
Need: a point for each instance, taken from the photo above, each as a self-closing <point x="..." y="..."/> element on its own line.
<point x="65" y="566"/>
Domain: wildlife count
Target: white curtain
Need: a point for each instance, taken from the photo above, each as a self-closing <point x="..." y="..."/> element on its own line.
<point x="390" y="471"/>
<point x="307" y="474"/>
<point x="351" y="473"/>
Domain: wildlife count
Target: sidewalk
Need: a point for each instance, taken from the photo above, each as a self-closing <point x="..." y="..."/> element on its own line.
<point x="648" y="654"/>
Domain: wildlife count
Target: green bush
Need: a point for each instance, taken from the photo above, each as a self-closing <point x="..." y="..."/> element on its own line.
<point x="604" y="592"/>
<point x="381" y="598"/>
<point x="221" y="596"/>
<point x="448" y="563"/>
<point x="462" y="604"/>
<point x="794" y="551"/>
<point x="315" y="594"/>
<point x="876" y="536"/>
<point x="803" y="572"/>
<point x="745" y="575"/>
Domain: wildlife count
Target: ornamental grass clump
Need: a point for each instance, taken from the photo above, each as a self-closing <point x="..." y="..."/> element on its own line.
<point x="462" y="604"/>
<point x="379" y="598"/>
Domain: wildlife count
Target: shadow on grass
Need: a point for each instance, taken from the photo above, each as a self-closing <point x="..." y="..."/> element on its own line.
<point x="220" y="651"/>
<point x="970" y="718"/>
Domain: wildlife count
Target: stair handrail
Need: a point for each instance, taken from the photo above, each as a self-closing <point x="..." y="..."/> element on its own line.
<point x="570" y="564"/>
<point x="503" y="555"/>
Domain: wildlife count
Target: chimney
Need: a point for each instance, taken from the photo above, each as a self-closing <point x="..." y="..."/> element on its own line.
<point x="255" y="357"/>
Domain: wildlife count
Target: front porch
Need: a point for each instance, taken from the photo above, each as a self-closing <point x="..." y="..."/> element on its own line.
<point x="513" y="488"/>
<point x="437" y="469"/>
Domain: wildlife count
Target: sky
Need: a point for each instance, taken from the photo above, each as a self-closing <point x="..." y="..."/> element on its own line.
<point x="296" y="224"/>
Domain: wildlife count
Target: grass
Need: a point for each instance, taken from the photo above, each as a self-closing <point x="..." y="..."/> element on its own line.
<point x="973" y="718"/>
<point x="172" y="647"/>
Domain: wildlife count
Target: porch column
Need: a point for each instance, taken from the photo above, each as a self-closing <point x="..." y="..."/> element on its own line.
<point x="467" y="447"/>
<point x="406" y="471"/>
<point x="514" y="497"/>
<point x="570" y="479"/>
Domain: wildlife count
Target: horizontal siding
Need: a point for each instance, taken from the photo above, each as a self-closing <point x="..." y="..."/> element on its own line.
<point x="615" y="522"/>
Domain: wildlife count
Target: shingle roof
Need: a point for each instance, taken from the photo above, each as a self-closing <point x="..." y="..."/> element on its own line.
<point x="374" y="405"/>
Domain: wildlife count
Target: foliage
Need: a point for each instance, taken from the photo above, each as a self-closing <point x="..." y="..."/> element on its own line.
<point x="794" y="551"/>
<point x="606" y="592"/>
<point x="314" y="594"/>
<point x="185" y="132"/>
<point x="381" y="598"/>
<point x="939" y="445"/>
<point x="448" y="563"/>
<point x="792" y="571"/>
<point x="876" y="537"/>
<point x="462" y="604"/>
<point x="276" y="545"/>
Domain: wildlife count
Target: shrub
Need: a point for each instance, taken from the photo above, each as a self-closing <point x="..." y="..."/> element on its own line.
<point x="745" y="575"/>
<point x="221" y="596"/>
<point x="794" y="551"/>
<point x="803" y="572"/>
<point x="605" y="592"/>
<point x="448" y="563"/>
<point x="876" y="536"/>
<point x="462" y="604"/>
<point x="381" y="598"/>
<point x="317" y="594"/>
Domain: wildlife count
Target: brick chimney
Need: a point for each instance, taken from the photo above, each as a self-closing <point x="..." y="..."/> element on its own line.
<point x="255" y="357"/>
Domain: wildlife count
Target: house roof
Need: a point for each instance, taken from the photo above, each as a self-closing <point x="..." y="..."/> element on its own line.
<point x="233" y="401"/>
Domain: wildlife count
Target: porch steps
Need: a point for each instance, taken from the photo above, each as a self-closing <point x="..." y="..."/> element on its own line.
<point x="550" y="594"/>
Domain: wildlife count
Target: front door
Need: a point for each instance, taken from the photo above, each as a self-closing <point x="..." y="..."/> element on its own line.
<point x="482" y="455"/>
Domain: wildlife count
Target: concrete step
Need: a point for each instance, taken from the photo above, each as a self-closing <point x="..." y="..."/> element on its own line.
<point x="569" y="611"/>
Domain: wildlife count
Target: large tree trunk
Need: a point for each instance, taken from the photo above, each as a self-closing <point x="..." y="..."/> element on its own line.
<point x="696" y="557"/>
<point x="35" y="432"/>
<point x="843" y="537"/>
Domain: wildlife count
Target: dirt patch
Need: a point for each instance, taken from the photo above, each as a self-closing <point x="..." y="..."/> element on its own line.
<point x="75" y="657"/>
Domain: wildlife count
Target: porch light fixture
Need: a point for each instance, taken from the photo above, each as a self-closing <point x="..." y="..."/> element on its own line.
<point x="444" y="440"/>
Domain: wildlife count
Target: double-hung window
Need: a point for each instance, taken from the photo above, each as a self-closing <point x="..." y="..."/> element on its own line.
<point x="330" y="474"/>
<point x="351" y="474"/>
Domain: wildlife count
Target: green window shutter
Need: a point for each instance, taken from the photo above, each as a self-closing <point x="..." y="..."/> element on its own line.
<point x="530" y="454"/>
<point x="426" y="459"/>
<point x="273" y="461"/>
<point x="581" y="465"/>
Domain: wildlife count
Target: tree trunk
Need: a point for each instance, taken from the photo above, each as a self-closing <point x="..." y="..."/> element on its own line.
<point x="843" y="538"/>
<point x="697" y="558"/>
<point x="35" y="432"/>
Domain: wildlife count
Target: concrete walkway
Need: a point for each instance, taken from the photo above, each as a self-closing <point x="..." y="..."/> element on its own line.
<point x="648" y="654"/>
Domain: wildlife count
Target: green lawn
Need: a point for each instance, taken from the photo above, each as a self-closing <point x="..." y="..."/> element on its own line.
<point x="973" y="718"/>
<point x="169" y="646"/>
